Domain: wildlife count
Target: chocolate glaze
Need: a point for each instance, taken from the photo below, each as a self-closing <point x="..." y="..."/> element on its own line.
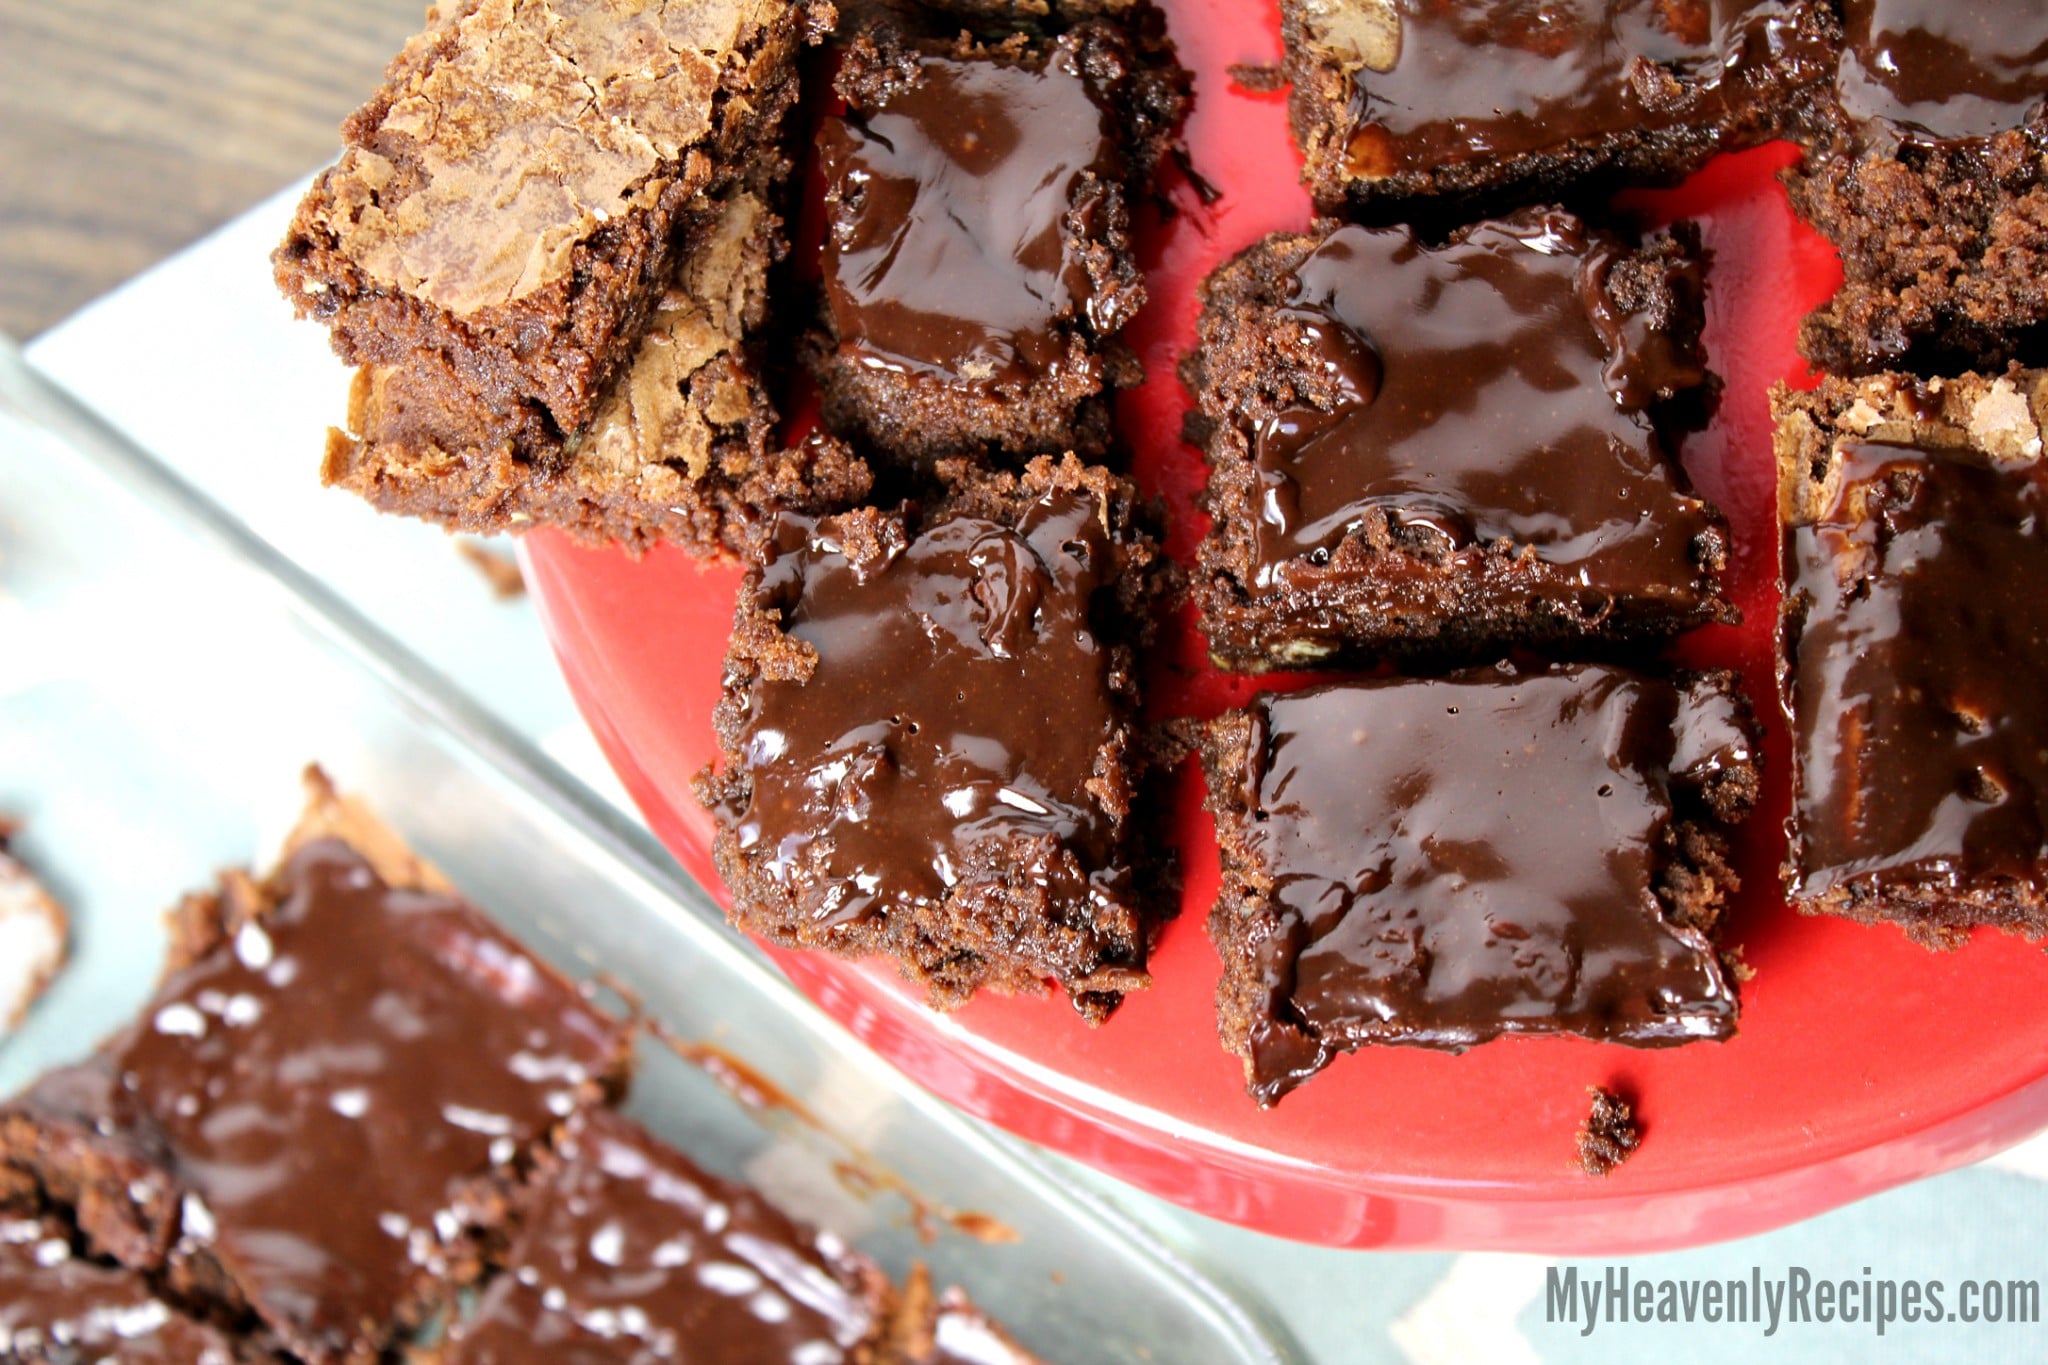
<point x="953" y="251"/>
<point x="326" y="1086"/>
<point x="1942" y="70"/>
<point x="630" y="1253"/>
<point x="1481" y="391"/>
<point x="1919" y="638"/>
<point x="1457" y="859"/>
<point x="55" y="1306"/>
<point x="960" y="697"/>
<point x="1476" y="79"/>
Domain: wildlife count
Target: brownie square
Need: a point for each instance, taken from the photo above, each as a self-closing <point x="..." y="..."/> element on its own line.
<point x="927" y="737"/>
<point x="682" y="447"/>
<point x="58" y="1307"/>
<point x="318" y="1121"/>
<point x="1440" y="862"/>
<point x="629" y="1252"/>
<point x="1929" y="174"/>
<point x="1440" y="451"/>
<point x="504" y="210"/>
<point x="977" y="265"/>
<point x="1912" y="648"/>
<point x="1464" y="101"/>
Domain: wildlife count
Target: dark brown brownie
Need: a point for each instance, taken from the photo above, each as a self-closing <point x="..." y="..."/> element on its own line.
<point x="502" y="218"/>
<point x="1440" y="862"/>
<point x="927" y="736"/>
<point x="1912" y="649"/>
<point x="317" y="1122"/>
<point x="1609" y="1135"/>
<point x="35" y="936"/>
<point x="629" y="1252"/>
<point x="1930" y="176"/>
<point x="1500" y="101"/>
<point x="682" y="446"/>
<point x="1441" y="451"/>
<point x="947" y="1329"/>
<point x="60" y="1308"/>
<point x="977" y="266"/>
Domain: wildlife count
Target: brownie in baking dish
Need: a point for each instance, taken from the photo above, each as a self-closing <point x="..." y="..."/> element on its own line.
<point x="682" y="447"/>
<point x="1912" y="648"/>
<point x="977" y="267"/>
<point x="1442" y="451"/>
<point x="1440" y="862"/>
<point x="928" y="740"/>
<point x="1413" y="103"/>
<point x="1929" y="173"/>
<point x="503" y="216"/>
<point x="321" y="1119"/>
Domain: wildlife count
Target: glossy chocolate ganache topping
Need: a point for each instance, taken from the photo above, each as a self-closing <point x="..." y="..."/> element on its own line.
<point x="1437" y="81"/>
<point x="327" y="1086"/>
<point x="1942" y="70"/>
<point x="1919" y="641"/>
<point x="1462" y="858"/>
<point x="951" y="251"/>
<point x="1485" y="390"/>
<point x="959" y="710"/>
<point x="56" y="1306"/>
<point x="630" y="1253"/>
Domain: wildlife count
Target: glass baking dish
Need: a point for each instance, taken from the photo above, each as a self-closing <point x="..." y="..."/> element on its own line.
<point x="164" y="676"/>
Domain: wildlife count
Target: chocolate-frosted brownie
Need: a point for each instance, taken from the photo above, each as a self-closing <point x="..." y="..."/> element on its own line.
<point x="503" y="215"/>
<point x="319" y="1120"/>
<point x="927" y="737"/>
<point x="60" y="1308"/>
<point x="977" y="265"/>
<point x="1440" y="862"/>
<point x="35" y="936"/>
<point x="1930" y="176"/>
<point x="1443" y="451"/>
<point x="682" y="447"/>
<point x="1912" y="648"/>
<point x="1402" y="100"/>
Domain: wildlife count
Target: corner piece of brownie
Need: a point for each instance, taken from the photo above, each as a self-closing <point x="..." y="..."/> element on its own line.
<point x="1443" y="451"/>
<point x="322" y="1116"/>
<point x="1440" y="862"/>
<point x="977" y="264"/>
<point x="928" y="735"/>
<point x="1912" y="647"/>
<point x="506" y="204"/>
<point x="1929" y="174"/>
<point x="1492" y="101"/>
<point x="681" y="448"/>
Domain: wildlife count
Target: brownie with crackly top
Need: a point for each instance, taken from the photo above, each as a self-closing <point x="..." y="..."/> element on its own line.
<point x="1440" y="452"/>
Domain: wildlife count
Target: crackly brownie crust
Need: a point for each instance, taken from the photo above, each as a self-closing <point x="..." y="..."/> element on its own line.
<point x="432" y="243"/>
<point x="1379" y="582"/>
<point x="1910" y="648"/>
<point x="1461" y="922"/>
<point x="1044" y="358"/>
<point x="1388" y="96"/>
<point x="108" y="1147"/>
<point x="1039" y="635"/>
<point x="1930" y="177"/>
<point x="682" y="447"/>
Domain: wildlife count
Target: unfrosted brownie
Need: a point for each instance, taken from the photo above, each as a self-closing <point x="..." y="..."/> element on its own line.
<point x="319" y="1121"/>
<point x="1440" y="862"/>
<point x="1609" y="1135"/>
<point x="1913" y="645"/>
<point x="1441" y="452"/>
<point x="35" y="936"/>
<point x="977" y="266"/>
<point x="682" y="447"/>
<point x="1930" y="176"/>
<point x="1400" y="101"/>
<point x="928" y="741"/>
<point x="502" y="218"/>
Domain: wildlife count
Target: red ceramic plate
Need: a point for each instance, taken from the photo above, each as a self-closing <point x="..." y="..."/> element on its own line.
<point x="1862" y="1061"/>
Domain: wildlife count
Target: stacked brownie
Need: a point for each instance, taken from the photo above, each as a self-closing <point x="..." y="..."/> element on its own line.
<point x="355" y="1113"/>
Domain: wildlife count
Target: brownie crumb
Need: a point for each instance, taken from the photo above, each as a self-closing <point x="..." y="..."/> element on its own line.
<point x="1258" y="77"/>
<point x="1610" y="1133"/>
<point x="500" y="571"/>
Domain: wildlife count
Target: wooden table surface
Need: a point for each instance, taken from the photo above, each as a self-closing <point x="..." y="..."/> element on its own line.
<point x="130" y="127"/>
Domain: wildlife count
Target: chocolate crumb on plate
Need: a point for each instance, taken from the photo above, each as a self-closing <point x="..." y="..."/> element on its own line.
<point x="1609" y="1134"/>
